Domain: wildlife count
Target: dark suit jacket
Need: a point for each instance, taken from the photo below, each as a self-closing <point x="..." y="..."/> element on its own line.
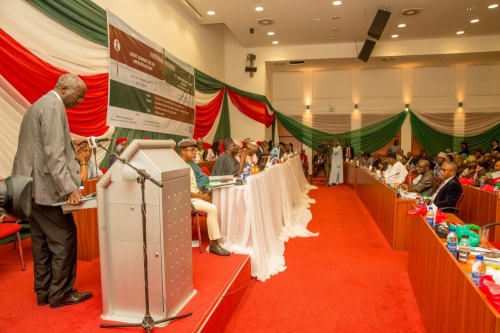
<point x="352" y="152"/>
<point x="45" y="151"/>
<point x="449" y="194"/>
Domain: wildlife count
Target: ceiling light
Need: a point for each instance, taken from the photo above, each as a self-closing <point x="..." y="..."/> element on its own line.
<point x="317" y="18"/>
<point x="474" y="21"/>
<point x="275" y="42"/>
<point x="394" y="36"/>
<point x="270" y="33"/>
<point x="493" y="6"/>
<point x="460" y="32"/>
<point x="335" y="29"/>
<point x="337" y="3"/>
<point x="402" y="25"/>
<point x="470" y="8"/>
<point x="388" y="59"/>
<point x="259" y="9"/>
<point x="333" y="38"/>
<point x="335" y="17"/>
<point x="211" y="12"/>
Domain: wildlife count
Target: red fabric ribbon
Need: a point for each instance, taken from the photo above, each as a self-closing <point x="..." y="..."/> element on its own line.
<point x="488" y="188"/>
<point x="422" y="210"/>
<point x="466" y="181"/>
<point x="252" y="109"/>
<point x="206" y="115"/>
<point x="33" y="78"/>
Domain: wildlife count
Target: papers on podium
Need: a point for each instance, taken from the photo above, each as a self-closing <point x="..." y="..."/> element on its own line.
<point x="88" y="202"/>
<point x="221" y="181"/>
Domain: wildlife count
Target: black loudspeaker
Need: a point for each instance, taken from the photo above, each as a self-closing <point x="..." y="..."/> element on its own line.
<point x="366" y="50"/>
<point x="379" y="23"/>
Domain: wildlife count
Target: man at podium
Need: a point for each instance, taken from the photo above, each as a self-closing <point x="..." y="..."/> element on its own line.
<point x="202" y="201"/>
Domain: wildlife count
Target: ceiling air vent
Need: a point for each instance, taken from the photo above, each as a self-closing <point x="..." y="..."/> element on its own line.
<point x="265" y="22"/>
<point x="296" y="63"/>
<point x="279" y="63"/>
<point x="410" y="12"/>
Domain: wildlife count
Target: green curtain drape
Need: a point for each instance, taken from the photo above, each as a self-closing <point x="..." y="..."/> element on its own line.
<point x="434" y="141"/>
<point x="224" y="129"/>
<point x="367" y="139"/>
<point x="132" y="134"/>
<point x="83" y="17"/>
<point x="205" y="83"/>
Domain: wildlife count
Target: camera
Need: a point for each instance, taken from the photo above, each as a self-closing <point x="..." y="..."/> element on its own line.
<point x="251" y="30"/>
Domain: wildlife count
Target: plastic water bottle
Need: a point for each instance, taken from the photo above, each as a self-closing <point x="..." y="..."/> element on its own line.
<point x="464" y="249"/>
<point x="246" y="169"/>
<point x="478" y="270"/>
<point x="481" y="182"/>
<point x="420" y="200"/>
<point x="495" y="190"/>
<point x="451" y="241"/>
<point x="430" y="216"/>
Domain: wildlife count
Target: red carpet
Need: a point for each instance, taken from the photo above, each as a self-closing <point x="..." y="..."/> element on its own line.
<point x="346" y="280"/>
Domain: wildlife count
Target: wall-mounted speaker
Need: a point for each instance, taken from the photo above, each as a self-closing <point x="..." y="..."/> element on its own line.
<point x="367" y="49"/>
<point x="379" y="23"/>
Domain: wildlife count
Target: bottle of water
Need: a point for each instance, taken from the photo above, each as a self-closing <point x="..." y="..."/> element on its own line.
<point x="481" y="182"/>
<point x="430" y="216"/>
<point x="451" y="241"/>
<point x="495" y="190"/>
<point x="420" y="200"/>
<point x="478" y="270"/>
<point x="464" y="249"/>
<point x="245" y="172"/>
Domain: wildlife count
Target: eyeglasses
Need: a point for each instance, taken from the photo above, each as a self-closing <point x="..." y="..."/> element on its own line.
<point x="78" y="97"/>
<point x="445" y="170"/>
<point x="191" y="150"/>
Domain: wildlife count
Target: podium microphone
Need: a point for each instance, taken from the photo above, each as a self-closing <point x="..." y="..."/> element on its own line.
<point x="93" y="141"/>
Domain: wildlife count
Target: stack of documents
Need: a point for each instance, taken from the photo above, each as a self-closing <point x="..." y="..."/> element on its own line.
<point x="221" y="181"/>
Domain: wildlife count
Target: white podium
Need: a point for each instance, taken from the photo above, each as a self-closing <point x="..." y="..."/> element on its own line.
<point x="168" y="214"/>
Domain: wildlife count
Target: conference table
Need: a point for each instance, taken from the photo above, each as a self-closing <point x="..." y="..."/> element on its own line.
<point x="257" y="218"/>
<point x="481" y="208"/>
<point x="447" y="298"/>
<point x="381" y="201"/>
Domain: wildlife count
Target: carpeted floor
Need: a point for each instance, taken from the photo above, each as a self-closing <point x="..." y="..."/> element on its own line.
<point x="346" y="280"/>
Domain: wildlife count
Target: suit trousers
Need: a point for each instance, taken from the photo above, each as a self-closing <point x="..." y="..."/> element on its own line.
<point x="211" y="210"/>
<point x="53" y="242"/>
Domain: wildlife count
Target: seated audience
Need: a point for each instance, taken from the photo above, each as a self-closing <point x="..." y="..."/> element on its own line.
<point x="473" y="171"/>
<point x="239" y="145"/>
<point x="200" y="152"/>
<point x="396" y="173"/>
<point x="359" y="158"/>
<point x="479" y="155"/>
<point x="121" y="145"/>
<point x="449" y="189"/>
<point x="486" y="162"/>
<point x="425" y="156"/>
<point x="202" y="201"/>
<point x="496" y="168"/>
<point x="450" y="157"/>
<point x="401" y="156"/>
<point x="425" y="183"/>
<point x="305" y="163"/>
<point x="227" y="164"/>
<point x="411" y="160"/>
<point x="460" y="163"/>
<point x="463" y="148"/>
<point x="377" y="162"/>
<point x="440" y="159"/>
<point x="275" y="151"/>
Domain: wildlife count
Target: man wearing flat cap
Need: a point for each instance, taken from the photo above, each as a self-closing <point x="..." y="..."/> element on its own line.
<point x="202" y="201"/>
<point x="397" y="172"/>
<point x="227" y="164"/>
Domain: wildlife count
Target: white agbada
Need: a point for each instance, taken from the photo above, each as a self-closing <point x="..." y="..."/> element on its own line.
<point x="396" y="174"/>
<point x="336" y="166"/>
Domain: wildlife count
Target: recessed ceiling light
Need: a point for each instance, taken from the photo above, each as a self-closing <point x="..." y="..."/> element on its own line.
<point x="275" y="42"/>
<point x="335" y="17"/>
<point x="335" y="29"/>
<point x="402" y="25"/>
<point x="211" y="12"/>
<point x="493" y="6"/>
<point x="460" y="32"/>
<point x="259" y="9"/>
<point x="394" y="36"/>
<point x="337" y="3"/>
<point x="333" y="38"/>
<point x="474" y="21"/>
<point x="270" y="33"/>
<point x="470" y="8"/>
<point x="317" y="18"/>
<point x="388" y="59"/>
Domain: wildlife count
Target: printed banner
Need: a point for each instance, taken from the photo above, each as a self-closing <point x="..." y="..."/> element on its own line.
<point x="149" y="88"/>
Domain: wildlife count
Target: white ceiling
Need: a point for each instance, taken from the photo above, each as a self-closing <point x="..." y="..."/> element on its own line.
<point x="295" y="24"/>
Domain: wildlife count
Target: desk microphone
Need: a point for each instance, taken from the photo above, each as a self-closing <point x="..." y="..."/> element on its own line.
<point x="393" y="175"/>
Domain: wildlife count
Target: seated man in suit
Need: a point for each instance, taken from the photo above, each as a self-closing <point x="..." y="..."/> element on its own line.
<point x="411" y="160"/>
<point x="449" y="190"/>
<point x="227" y="164"/>
<point x="425" y="183"/>
<point x="202" y="201"/>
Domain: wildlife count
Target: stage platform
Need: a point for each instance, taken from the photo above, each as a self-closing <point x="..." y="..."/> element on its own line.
<point x="220" y="283"/>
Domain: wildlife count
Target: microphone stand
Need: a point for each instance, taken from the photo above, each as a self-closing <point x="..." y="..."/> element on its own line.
<point x="147" y="322"/>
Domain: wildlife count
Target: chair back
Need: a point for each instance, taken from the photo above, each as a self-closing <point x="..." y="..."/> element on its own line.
<point x="205" y="171"/>
<point x="459" y="201"/>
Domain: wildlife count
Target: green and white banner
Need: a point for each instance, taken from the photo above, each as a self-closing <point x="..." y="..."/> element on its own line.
<point x="149" y="88"/>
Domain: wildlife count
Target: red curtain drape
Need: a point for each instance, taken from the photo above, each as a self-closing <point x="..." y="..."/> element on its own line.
<point x="252" y="109"/>
<point x="206" y="115"/>
<point x="33" y="77"/>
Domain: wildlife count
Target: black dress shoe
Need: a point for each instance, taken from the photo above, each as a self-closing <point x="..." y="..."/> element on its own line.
<point x="73" y="297"/>
<point x="218" y="250"/>
<point x="44" y="300"/>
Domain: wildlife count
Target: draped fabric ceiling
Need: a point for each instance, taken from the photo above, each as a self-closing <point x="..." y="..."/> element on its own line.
<point x="40" y="40"/>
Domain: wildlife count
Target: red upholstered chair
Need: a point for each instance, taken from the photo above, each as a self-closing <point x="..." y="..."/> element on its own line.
<point x="456" y="209"/>
<point x="8" y="229"/>
<point x="205" y="171"/>
<point x="196" y="214"/>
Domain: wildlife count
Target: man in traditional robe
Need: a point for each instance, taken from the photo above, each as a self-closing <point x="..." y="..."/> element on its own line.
<point x="227" y="164"/>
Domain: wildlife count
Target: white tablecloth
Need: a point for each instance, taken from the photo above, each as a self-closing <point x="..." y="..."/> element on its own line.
<point x="257" y="218"/>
